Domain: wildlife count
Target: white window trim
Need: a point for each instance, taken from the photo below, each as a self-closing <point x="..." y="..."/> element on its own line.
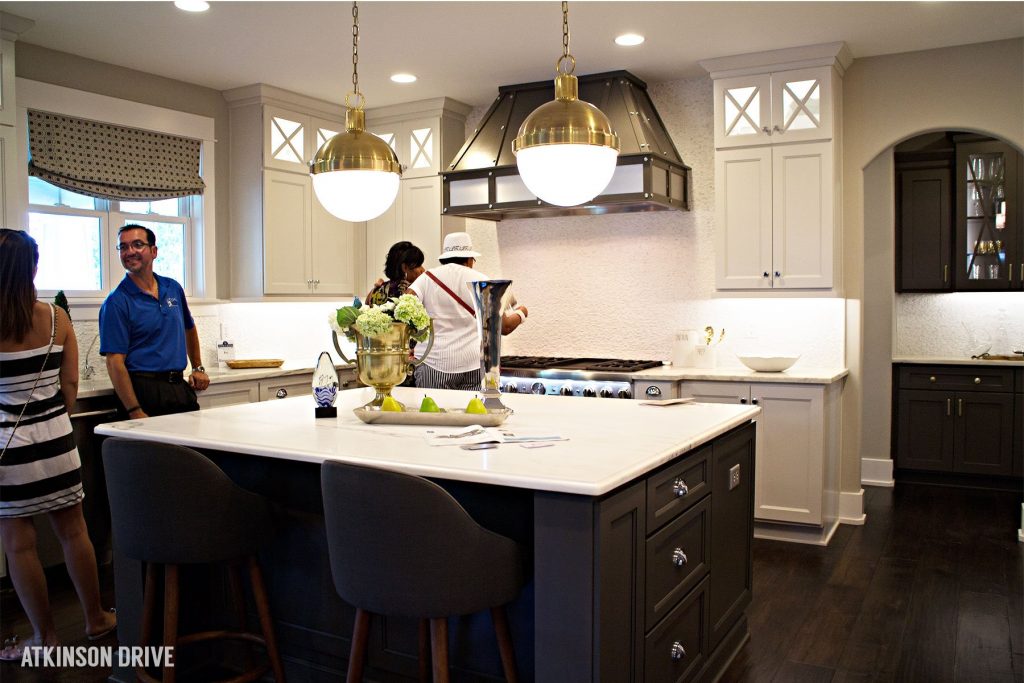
<point x="87" y="105"/>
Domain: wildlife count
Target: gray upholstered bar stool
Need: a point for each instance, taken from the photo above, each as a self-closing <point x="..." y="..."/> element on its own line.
<point x="401" y="545"/>
<point x="172" y="506"/>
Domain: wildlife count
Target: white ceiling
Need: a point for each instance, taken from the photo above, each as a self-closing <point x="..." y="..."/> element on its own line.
<point x="465" y="50"/>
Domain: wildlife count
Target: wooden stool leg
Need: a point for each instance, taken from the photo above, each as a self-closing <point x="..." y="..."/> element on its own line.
<point x="508" y="655"/>
<point x="259" y="592"/>
<point x="170" y="615"/>
<point x="424" y="650"/>
<point x="238" y="594"/>
<point x="148" y="605"/>
<point x="357" y="655"/>
<point x="439" y="646"/>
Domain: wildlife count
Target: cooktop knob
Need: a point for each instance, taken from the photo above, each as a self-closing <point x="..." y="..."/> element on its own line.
<point x="589" y="392"/>
<point x="566" y="390"/>
<point x="606" y="393"/>
<point x="538" y="388"/>
<point x="625" y="393"/>
<point x="510" y="388"/>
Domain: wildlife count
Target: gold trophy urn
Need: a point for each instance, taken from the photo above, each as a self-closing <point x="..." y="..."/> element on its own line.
<point x="383" y="360"/>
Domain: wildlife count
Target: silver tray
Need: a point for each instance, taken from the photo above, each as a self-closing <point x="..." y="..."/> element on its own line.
<point x="449" y="418"/>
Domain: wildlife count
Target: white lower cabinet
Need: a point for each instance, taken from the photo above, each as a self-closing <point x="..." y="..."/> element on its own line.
<point x="228" y="394"/>
<point x="796" y="471"/>
<point x="250" y="391"/>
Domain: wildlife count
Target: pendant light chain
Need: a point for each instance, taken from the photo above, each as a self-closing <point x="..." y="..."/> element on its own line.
<point x="355" y="49"/>
<point x="566" y="63"/>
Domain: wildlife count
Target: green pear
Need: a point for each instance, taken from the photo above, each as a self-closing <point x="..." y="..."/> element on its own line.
<point x="429" y="405"/>
<point x="476" y="406"/>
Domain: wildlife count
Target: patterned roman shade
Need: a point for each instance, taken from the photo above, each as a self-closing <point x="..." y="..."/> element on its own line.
<point x="111" y="162"/>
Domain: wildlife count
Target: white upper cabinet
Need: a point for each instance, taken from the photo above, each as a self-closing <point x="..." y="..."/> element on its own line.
<point x="780" y="107"/>
<point x="283" y="241"/>
<point x="425" y="135"/>
<point x="778" y="141"/>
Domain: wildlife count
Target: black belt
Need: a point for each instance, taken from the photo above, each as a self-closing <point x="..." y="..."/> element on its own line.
<point x="170" y="376"/>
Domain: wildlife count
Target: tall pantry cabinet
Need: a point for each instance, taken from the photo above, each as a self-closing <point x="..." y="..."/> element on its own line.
<point x="777" y="167"/>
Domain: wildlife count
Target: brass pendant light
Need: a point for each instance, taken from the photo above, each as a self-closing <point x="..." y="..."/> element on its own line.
<point x="566" y="150"/>
<point x="355" y="173"/>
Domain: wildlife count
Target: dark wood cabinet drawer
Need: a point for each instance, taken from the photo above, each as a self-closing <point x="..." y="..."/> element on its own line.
<point x="956" y="378"/>
<point x="677" y="487"/>
<point x="676" y="559"/>
<point x="676" y="650"/>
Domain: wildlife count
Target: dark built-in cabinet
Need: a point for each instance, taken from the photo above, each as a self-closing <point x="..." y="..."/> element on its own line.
<point x="958" y="220"/>
<point x="959" y="420"/>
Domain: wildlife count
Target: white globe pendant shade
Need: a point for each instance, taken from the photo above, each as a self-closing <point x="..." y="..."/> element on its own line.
<point x="355" y="174"/>
<point x="355" y="195"/>
<point x="566" y="150"/>
<point x="566" y="175"/>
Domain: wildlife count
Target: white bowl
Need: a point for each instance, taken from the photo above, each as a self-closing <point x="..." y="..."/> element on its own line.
<point x="768" y="363"/>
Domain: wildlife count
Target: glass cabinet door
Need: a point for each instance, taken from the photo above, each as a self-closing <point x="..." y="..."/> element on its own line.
<point x="988" y="235"/>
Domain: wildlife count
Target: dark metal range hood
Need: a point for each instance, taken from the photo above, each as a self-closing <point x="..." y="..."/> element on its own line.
<point x="483" y="181"/>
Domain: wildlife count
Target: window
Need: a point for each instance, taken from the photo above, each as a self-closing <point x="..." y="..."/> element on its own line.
<point x="77" y="235"/>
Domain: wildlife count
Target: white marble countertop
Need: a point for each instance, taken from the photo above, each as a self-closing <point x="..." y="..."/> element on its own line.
<point x="609" y="442"/>
<point x="946" y="360"/>
<point x="795" y="375"/>
<point x="102" y="387"/>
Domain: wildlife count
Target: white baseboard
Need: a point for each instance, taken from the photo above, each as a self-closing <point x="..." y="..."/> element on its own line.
<point x="795" y="533"/>
<point x="876" y="472"/>
<point x="851" y="508"/>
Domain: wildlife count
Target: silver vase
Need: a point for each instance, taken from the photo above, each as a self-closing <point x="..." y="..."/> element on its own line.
<point x="487" y="295"/>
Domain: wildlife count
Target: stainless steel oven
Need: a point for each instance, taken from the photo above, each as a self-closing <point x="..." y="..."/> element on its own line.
<point x="583" y="377"/>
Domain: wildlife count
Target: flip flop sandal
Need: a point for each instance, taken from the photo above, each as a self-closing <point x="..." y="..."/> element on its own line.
<point x="12" y="650"/>
<point x="104" y="633"/>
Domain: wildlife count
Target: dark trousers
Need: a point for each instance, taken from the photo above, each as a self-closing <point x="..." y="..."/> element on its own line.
<point x="161" y="396"/>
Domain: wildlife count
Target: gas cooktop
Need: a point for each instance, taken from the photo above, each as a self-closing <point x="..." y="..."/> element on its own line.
<point x="586" y="364"/>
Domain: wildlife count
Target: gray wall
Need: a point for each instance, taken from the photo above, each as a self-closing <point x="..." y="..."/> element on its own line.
<point x="70" y="71"/>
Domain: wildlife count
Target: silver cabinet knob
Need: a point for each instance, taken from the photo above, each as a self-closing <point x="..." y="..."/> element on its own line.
<point x="778" y="274"/>
<point x="776" y="129"/>
<point x="766" y="130"/>
<point x="932" y="379"/>
<point x="755" y="401"/>
<point x="282" y="393"/>
<point x="678" y="557"/>
<point x="679" y="487"/>
<point x="765" y="274"/>
<point x="977" y="380"/>
<point x="743" y="401"/>
<point x="678" y="651"/>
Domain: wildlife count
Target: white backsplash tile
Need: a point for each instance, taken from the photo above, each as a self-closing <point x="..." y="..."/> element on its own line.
<point x="959" y="324"/>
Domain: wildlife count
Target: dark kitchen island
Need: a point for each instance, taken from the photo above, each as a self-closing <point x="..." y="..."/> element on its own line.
<point x="638" y="528"/>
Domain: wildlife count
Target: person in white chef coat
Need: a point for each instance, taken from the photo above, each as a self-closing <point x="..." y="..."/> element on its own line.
<point x="454" y="361"/>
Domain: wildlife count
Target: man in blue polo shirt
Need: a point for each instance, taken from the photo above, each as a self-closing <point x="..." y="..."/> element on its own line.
<point x="146" y="333"/>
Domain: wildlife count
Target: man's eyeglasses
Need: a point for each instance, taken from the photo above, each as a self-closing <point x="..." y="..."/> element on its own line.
<point x="135" y="245"/>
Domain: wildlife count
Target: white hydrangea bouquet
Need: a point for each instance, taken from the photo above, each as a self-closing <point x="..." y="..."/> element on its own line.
<point x="375" y="321"/>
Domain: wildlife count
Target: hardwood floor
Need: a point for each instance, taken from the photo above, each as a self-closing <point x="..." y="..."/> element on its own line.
<point x="930" y="590"/>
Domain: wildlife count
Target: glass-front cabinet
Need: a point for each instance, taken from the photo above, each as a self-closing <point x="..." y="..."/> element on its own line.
<point x="988" y="242"/>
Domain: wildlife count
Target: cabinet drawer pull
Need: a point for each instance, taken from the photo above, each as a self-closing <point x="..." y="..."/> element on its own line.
<point x="945" y="273"/>
<point x="679" y="557"/>
<point x="959" y="407"/>
<point x="679" y="487"/>
<point x="949" y="407"/>
<point x="282" y="393"/>
<point x="977" y="380"/>
<point x="678" y="651"/>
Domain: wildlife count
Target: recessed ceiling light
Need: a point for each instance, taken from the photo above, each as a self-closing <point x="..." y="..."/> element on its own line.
<point x="192" y="5"/>
<point x="629" y="39"/>
<point x="403" y="78"/>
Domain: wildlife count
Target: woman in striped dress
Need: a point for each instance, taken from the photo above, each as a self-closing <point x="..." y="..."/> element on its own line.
<point x="40" y="467"/>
